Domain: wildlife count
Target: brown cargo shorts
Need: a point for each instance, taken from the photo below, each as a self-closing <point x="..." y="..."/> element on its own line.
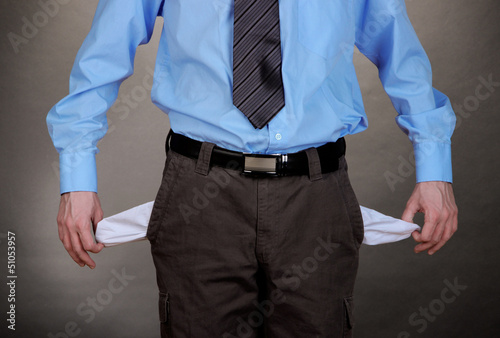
<point x="240" y="256"/>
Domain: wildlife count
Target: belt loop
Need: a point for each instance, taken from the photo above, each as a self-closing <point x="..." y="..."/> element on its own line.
<point x="203" y="162"/>
<point x="314" y="164"/>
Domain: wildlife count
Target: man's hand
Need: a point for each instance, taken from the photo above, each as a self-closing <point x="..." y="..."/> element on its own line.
<point x="436" y="201"/>
<point x="78" y="210"/>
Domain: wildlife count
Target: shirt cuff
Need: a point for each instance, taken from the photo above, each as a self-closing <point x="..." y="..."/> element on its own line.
<point x="77" y="172"/>
<point x="433" y="162"/>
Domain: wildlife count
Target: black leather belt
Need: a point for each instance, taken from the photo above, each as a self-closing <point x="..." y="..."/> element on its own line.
<point x="260" y="164"/>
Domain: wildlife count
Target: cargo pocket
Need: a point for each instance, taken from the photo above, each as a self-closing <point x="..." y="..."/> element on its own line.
<point x="164" y="311"/>
<point x="348" y="316"/>
<point x="164" y="308"/>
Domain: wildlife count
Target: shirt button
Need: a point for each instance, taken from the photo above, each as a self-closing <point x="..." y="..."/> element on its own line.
<point x="278" y="136"/>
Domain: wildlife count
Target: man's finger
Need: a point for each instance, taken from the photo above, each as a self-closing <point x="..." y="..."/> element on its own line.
<point x="98" y="216"/>
<point x="423" y="246"/>
<point x="430" y="223"/>
<point x="431" y="233"/>
<point x="437" y="235"/>
<point x="409" y="212"/>
<point x="417" y="236"/>
<point x="437" y="240"/>
<point x="436" y="247"/>
<point x="88" y="241"/>
<point x="449" y="229"/>
<point x="442" y="241"/>
<point x="75" y="257"/>
<point x="69" y="248"/>
<point x="64" y="236"/>
<point x="82" y="254"/>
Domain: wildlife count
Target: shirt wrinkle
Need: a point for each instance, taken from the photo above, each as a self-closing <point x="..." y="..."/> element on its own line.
<point x="193" y="56"/>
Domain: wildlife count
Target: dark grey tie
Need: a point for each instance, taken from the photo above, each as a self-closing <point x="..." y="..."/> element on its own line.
<point x="257" y="85"/>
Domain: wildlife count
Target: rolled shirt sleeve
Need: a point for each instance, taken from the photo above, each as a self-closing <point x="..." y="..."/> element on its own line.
<point x="104" y="61"/>
<point x="386" y="36"/>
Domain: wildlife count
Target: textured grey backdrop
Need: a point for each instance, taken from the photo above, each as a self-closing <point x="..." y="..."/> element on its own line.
<point x="395" y="286"/>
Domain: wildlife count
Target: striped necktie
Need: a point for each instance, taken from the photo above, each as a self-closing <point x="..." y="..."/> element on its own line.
<point x="257" y="84"/>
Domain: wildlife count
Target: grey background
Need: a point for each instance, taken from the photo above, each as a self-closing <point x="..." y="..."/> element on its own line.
<point x="461" y="38"/>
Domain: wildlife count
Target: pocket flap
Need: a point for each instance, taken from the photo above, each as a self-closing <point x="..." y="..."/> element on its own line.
<point x="163" y="307"/>
<point x="349" y="309"/>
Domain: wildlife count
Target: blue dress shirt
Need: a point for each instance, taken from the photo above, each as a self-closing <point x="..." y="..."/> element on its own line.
<point x="193" y="80"/>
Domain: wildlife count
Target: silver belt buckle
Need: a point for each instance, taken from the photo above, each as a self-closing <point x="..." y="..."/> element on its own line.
<point x="264" y="165"/>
